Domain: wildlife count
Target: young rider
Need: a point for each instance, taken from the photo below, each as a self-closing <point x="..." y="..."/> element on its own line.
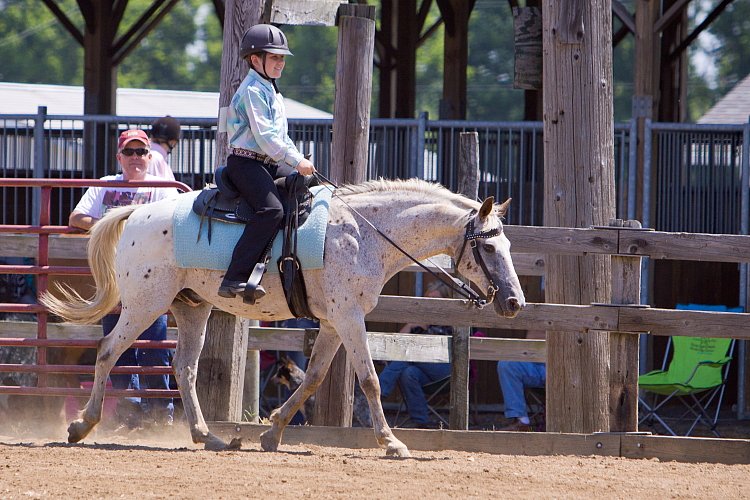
<point x="260" y="150"/>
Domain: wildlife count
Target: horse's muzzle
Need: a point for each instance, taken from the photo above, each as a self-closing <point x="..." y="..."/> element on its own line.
<point x="510" y="307"/>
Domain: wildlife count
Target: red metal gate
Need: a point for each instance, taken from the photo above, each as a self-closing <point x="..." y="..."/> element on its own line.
<point x="43" y="270"/>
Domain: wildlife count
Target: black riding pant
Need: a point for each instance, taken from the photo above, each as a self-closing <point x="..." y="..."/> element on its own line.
<point x="254" y="181"/>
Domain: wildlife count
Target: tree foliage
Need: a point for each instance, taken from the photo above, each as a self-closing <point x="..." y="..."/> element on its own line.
<point x="35" y="48"/>
<point x="184" y="53"/>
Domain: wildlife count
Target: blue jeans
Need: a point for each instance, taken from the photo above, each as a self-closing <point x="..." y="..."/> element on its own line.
<point x="161" y="409"/>
<point x="514" y="377"/>
<point x="412" y="377"/>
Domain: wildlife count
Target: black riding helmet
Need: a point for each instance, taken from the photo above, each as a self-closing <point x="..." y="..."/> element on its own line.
<point x="263" y="38"/>
<point x="165" y="129"/>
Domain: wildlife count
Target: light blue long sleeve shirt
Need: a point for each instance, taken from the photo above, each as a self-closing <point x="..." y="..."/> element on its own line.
<point x="256" y="120"/>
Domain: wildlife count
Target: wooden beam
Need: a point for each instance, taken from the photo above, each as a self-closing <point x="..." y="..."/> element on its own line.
<point x="578" y="192"/>
<point x="619" y="36"/>
<point x="671" y="322"/>
<point x="226" y="339"/>
<point x="623" y="15"/>
<point x="692" y="449"/>
<point x="624" y="348"/>
<point x="219" y="10"/>
<point x="351" y="120"/>
<point x="128" y="44"/>
<point x="697" y="450"/>
<point x="669" y="16"/>
<point x="394" y="309"/>
<point x="468" y="185"/>
<point x="221" y="367"/>
<point x="65" y="21"/>
<point x="686" y="246"/>
<point x="677" y="52"/>
<point x="562" y="240"/>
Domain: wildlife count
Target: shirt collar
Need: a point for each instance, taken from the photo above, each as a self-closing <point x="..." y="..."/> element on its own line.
<point x="262" y="81"/>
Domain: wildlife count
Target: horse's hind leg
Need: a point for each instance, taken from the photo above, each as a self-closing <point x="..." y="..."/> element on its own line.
<point x="131" y="324"/>
<point x="191" y="323"/>
<point x="326" y="345"/>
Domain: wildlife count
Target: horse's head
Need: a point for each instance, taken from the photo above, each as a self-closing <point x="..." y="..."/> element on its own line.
<point x="488" y="263"/>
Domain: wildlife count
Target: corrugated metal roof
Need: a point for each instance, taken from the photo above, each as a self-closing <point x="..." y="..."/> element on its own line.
<point x="24" y="98"/>
<point x="733" y="108"/>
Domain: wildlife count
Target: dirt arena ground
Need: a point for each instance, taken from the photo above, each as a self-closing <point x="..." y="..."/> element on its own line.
<point x="167" y="464"/>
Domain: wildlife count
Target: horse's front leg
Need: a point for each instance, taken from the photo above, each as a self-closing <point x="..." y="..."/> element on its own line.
<point x="326" y="345"/>
<point x="355" y="342"/>
<point x="129" y="327"/>
<point x="191" y="323"/>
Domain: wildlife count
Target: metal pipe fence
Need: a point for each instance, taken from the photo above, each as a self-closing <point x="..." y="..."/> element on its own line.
<point x="84" y="146"/>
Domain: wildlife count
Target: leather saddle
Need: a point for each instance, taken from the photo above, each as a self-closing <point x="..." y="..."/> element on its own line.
<point x="225" y="203"/>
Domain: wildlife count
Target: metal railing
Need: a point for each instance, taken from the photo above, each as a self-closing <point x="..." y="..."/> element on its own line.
<point x="43" y="229"/>
<point x="67" y="147"/>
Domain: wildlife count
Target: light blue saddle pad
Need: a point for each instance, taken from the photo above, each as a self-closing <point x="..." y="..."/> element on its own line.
<point x="224" y="235"/>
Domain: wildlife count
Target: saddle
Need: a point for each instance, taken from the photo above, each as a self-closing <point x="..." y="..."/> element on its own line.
<point x="224" y="203"/>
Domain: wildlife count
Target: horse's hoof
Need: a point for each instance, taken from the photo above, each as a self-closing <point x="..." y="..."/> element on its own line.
<point x="268" y="442"/>
<point x="235" y="444"/>
<point x="399" y="451"/>
<point x="214" y="444"/>
<point x="77" y="430"/>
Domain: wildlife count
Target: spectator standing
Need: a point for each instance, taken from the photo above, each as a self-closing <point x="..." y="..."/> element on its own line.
<point x="133" y="156"/>
<point x="165" y="135"/>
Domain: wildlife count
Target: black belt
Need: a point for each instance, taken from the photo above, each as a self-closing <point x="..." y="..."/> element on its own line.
<point x="247" y="153"/>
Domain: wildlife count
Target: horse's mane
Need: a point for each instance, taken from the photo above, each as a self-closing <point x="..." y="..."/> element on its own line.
<point x="429" y="189"/>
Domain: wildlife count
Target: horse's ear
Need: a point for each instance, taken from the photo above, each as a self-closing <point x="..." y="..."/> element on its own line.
<point x="503" y="208"/>
<point x="487" y="207"/>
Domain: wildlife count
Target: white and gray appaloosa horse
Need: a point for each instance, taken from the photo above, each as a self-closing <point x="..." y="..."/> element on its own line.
<point x="132" y="260"/>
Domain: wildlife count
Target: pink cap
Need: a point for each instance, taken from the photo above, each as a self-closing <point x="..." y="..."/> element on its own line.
<point x="133" y="134"/>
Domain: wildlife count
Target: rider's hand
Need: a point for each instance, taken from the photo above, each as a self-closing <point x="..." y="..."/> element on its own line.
<point x="306" y="167"/>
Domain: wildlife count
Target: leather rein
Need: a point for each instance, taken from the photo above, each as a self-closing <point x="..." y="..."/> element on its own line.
<point x="470" y="237"/>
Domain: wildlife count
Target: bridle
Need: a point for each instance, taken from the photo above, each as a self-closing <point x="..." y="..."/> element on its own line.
<point x="470" y="236"/>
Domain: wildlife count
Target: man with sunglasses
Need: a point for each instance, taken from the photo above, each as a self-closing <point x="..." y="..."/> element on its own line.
<point x="134" y="157"/>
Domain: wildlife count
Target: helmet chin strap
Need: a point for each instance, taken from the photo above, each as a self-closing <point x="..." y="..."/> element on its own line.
<point x="264" y="74"/>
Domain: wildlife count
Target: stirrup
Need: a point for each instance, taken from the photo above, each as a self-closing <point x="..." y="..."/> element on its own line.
<point x="253" y="290"/>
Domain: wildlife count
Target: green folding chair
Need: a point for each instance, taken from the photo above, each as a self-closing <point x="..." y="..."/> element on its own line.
<point x="696" y="377"/>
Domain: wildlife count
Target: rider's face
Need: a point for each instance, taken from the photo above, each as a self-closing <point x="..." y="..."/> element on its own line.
<point x="274" y="64"/>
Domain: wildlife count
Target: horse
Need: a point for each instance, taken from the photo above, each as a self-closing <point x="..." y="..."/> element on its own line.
<point x="131" y="256"/>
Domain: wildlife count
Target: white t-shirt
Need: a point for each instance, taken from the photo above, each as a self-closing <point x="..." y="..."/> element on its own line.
<point x="97" y="200"/>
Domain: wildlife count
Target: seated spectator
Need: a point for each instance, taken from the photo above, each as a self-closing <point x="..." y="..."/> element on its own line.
<point x="515" y="377"/>
<point x="411" y="376"/>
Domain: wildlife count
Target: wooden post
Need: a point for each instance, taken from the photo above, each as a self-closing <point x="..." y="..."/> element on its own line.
<point x="351" y="127"/>
<point x="100" y="86"/>
<point x="468" y="185"/>
<point x="222" y="363"/>
<point x="646" y="85"/>
<point x="623" y="347"/>
<point x="579" y="192"/>
<point x="455" y="57"/>
<point x="221" y="368"/>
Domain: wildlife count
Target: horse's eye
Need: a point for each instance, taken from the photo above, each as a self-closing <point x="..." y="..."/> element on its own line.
<point x="488" y="247"/>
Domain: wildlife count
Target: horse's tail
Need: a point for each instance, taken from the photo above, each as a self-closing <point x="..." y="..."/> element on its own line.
<point x="101" y="255"/>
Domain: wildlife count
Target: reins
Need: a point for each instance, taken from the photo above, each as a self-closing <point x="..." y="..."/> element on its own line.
<point x="455" y="284"/>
